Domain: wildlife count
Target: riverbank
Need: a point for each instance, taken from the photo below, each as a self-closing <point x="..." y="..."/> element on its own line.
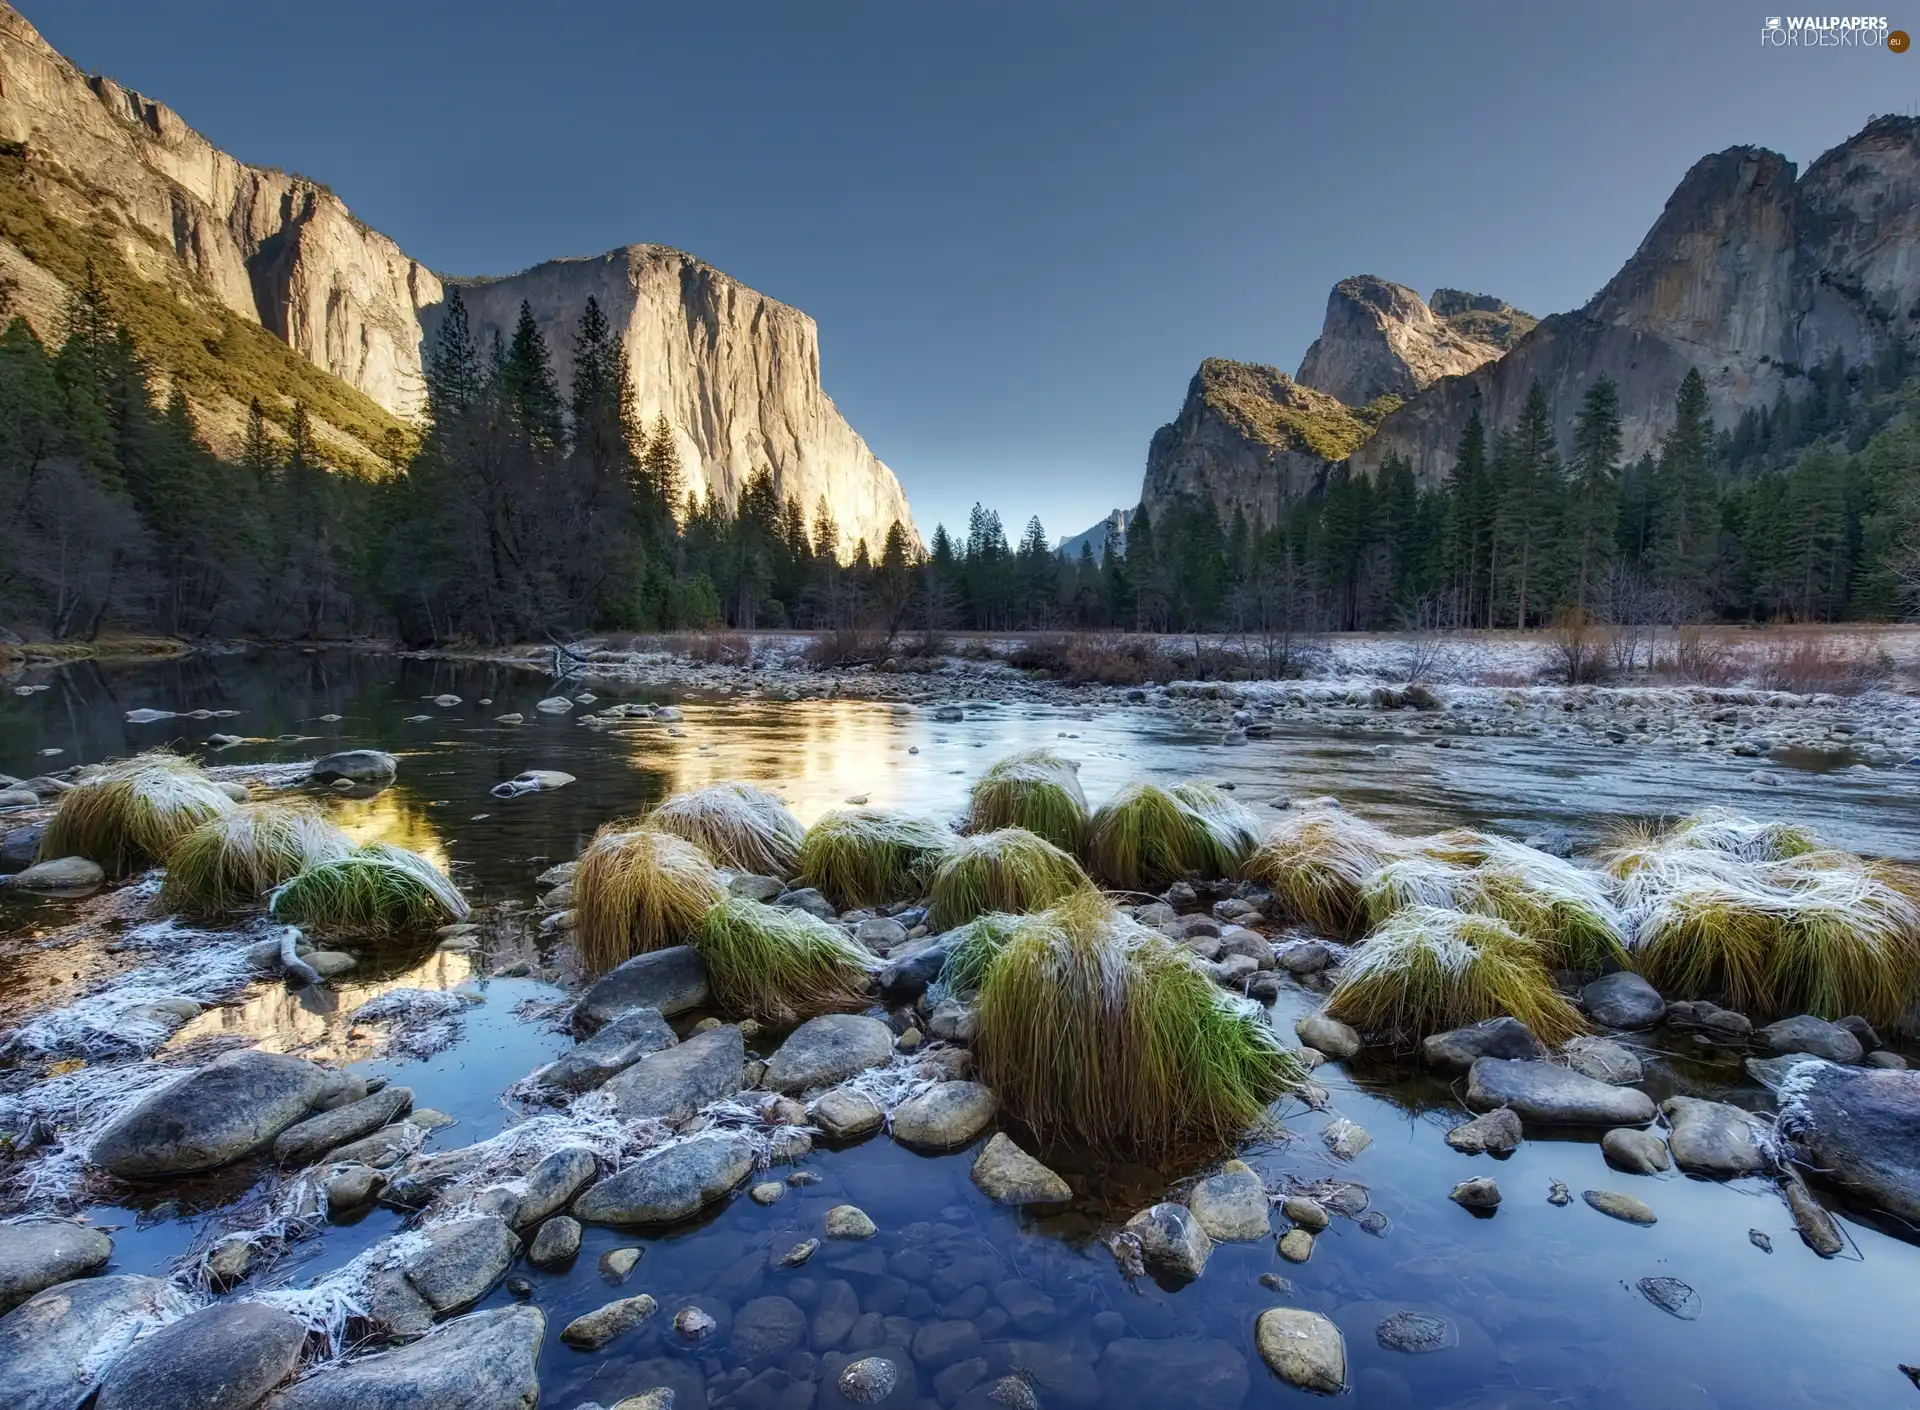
<point x="18" y="655"/>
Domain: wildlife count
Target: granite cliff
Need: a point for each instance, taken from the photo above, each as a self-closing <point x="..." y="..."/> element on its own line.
<point x="1382" y="339"/>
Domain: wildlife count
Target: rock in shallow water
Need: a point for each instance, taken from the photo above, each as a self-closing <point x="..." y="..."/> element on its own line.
<point x="556" y="1243"/>
<point x="1172" y="1240"/>
<point x="1636" y="1151"/>
<point x="948" y="1115"/>
<point x="1604" y="1060"/>
<point x="611" y="1051"/>
<point x="669" y="1185"/>
<point x="1137" y="1374"/>
<point x="828" y="1049"/>
<point x="592" y="1330"/>
<point x="1328" y="1035"/>
<point x="1618" y="1206"/>
<point x="1496" y="1132"/>
<point x="1303" y="1348"/>
<point x="223" y="1357"/>
<point x="1415" y="1333"/>
<point x="1623" y="1000"/>
<point x="1459" y="1048"/>
<point x="1860" y="1127"/>
<point x="230" y="1108"/>
<point x="481" y="1362"/>
<point x="1232" y="1206"/>
<point x="846" y="1221"/>
<point x="363" y="766"/>
<point x="1712" y="1139"/>
<point x="1008" y="1175"/>
<point x="463" y="1261"/>
<point x="40" y="1253"/>
<point x="1542" y="1092"/>
<point x="55" y="1345"/>
<point x="670" y="981"/>
<point x="1814" y="1036"/>
<point x="869" y="1380"/>
<point x="846" y="1116"/>
<point x="59" y="874"/>
<point x="1671" y="1295"/>
<point x="674" y="1083"/>
<point x="1479" y="1193"/>
<point x="306" y="1141"/>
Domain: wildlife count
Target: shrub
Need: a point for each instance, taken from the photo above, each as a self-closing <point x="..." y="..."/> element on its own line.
<point x="869" y="857"/>
<point x="735" y="824"/>
<point x="1809" y="664"/>
<point x="376" y="889"/>
<point x="779" y="965"/>
<point x="637" y="890"/>
<point x="1010" y="870"/>
<point x="236" y="858"/>
<point x="133" y="811"/>
<point x="1039" y="791"/>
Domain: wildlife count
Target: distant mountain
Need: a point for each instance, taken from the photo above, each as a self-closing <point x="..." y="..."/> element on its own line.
<point x="1381" y="339"/>
<point x="1110" y="532"/>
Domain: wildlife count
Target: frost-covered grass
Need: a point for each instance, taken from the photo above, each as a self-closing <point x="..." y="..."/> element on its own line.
<point x="1146" y="836"/>
<point x="737" y="825"/>
<point x="1039" y="791"/>
<point x="779" y="965"/>
<point x="1010" y="870"/>
<point x="870" y="857"/>
<point x="376" y="889"/>
<point x="974" y="948"/>
<point x="1318" y="861"/>
<point x="235" y="859"/>
<point x="133" y="811"/>
<point x="637" y="890"/>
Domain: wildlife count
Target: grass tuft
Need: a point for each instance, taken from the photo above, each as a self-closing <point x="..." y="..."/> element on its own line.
<point x="737" y="825"/>
<point x="777" y="965"/>
<point x="637" y="890"/>
<point x="869" y="857"/>
<point x="1010" y="870"/>
<point x="1093" y="1027"/>
<point x="235" y="859"/>
<point x="1317" y="862"/>
<point x="976" y="945"/>
<point x="1146" y="837"/>
<point x="133" y="811"/>
<point x="1039" y="791"/>
<point x="377" y="889"/>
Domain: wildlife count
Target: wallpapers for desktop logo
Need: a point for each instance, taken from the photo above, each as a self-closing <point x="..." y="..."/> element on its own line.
<point x="1832" y="32"/>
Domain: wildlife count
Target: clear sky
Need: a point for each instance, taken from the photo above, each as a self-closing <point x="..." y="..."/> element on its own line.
<point x="1020" y="226"/>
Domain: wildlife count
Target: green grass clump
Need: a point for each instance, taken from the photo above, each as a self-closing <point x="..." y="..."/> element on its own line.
<point x="1145" y="837"/>
<point x="1039" y="791"/>
<point x="1232" y="829"/>
<point x="1317" y="861"/>
<point x="777" y="965"/>
<point x="133" y="811"/>
<point x="1402" y="883"/>
<point x="377" y="889"/>
<point x="1010" y="870"/>
<point x="1093" y="1027"/>
<point x="737" y="825"/>
<point x="1426" y="970"/>
<point x="235" y="859"/>
<point x="869" y="857"/>
<point x="637" y="890"/>
<point x="974" y="948"/>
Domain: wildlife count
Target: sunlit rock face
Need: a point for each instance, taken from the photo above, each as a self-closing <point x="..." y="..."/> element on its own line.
<point x="1382" y="339"/>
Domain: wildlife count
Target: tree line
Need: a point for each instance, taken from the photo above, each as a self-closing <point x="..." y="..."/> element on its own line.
<point x="529" y="510"/>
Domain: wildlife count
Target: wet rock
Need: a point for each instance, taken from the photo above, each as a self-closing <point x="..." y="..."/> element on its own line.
<point x="847" y="1221"/>
<point x="670" y="981"/>
<point x="1884" y="1059"/>
<point x="833" y="1316"/>
<point x="1136" y="1374"/>
<point x="1496" y="1132"/>
<point x="810" y="900"/>
<point x="481" y="1362"/>
<point x="362" y="766"/>
<point x="846" y="1116"/>
<point x="1232" y="1206"/>
<point x="383" y="1148"/>
<point x="1623" y="1000"/>
<point x="59" y="874"/>
<point x="556" y="1243"/>
<point x="945" y="1116"/>
<point x="230" y="1108"/>
<point x="223" y="1357"/>
<point x="767" y="1192"/>
<point x="611" y="1051"/>
<point x="1328" y="1035"/>
<point x="1814" y="1036"/>
<point x="1718" y="1025"/>
<point x="593" y="1330"/>
<point x="799" y="1253"/>
<point x="669" y="1185"/>
<point x="1860" y="1127"/>
<point x="1309" y="957"/>
<point x="1816" y="1226"/>
<point x="939" y="1344"/>
<point x="20" y="846"/>
<point x="306" y="1141"/>
<point x="1760" y="1240"/>
<point x="1635" y="1151"/>
<point x="1008" y="1175"/>
<point x="828" y="1049"/>
<point x="462" y="1262"/>
<point x="1618" y="1206"/>
<point x="1415" y="1333"/>
<point x="617" y="1263"/>
<point x="1477" y="1193"/>
<point x="1296" y="1245"/>
<point x="868" y="1381"/>
<point x="55" y="1345"/>
<point x="1554" y="1096"/>
<point x="674" y="1083"/>
<point x="554" y="705"/>
<point x="1558" y="1195"/>
<point x="1302" y="1348"/>
<point x="1306" y="1212"/>
<point x="350" y="1186"/>
<point x="1604" y="1060"/>
<point x="1712" y="1139"/>
<point x="40" y="1253"/>
<point x="1345" y="1139"/>
<point x="1863" y="1032"/>
<point x="1172" y="1241"/>
<point x="1672" y="1296"/>
<point x="228" y="1260"/>
<point x="552" y="1184"/>
<point x="1457" y="1049"/>
<point x="767" y="1327"/>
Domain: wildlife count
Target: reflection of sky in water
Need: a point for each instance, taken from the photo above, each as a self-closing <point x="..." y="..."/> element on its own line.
<point x="392" y="815"/>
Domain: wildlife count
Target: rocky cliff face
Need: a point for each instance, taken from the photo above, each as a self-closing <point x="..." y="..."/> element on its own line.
<point x="1249" y="438"/>
<point x="1482" y="317"/>
<point x="736" y="374"/>
<point x="1382" y="339"/>
<point x="1751" y="274"/>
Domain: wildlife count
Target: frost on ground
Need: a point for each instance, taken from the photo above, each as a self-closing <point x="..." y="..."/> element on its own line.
<point x="419" y="1022"/>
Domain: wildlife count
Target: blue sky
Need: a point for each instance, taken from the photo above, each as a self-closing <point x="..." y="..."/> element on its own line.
<point x="1019" y="226"/>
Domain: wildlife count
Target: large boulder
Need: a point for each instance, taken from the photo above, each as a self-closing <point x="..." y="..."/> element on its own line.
<point x="1859" y="1129"/>
<point x="669" y="1185"/>
<point x="1712" y="1138"/>
<point x="223" y="1357"/>
<point x="306" y="1141"/>
<point x="59" y="874"/>
<point x="230" y="1108"/>
<point x="609" y="1052"/>
<point x="674" y="1083"/>
<point x="55" y="1346"/>
<point x="947" y="1115"/>
<point x="1458" y="1049"/>
<point x="362" y="766"/>
<point x="462" y="1261"/>
<point x="1554" y="1096"/>
<point x="1813" y="1036"/>
<point x="481" y="1362"/>
<point x="828" y="1049"/>
<point x="1623" y="1000"/>
<point x="42" y="1252"/>
<point x="672" y="981"/>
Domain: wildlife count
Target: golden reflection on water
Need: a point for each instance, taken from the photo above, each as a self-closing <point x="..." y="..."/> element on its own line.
<point x="392" y="815"/>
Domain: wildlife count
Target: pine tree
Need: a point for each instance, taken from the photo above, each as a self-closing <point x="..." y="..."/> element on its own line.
<point x="1683" y="522"/>
<point x="1593" y="490"/>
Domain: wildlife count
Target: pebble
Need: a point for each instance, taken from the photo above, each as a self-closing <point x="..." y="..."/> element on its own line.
<point x="767" y="1192"/>
<point x="1671" y="1295"/>
<point x="1635" y="1151"/>
<point x="869" y="1380"/>
<point x="1308" y="1213"/>
<point x="600" y="1326"/>
<point x="1303" y="1348"/>
<point x="846" y="1221"/>
<point x="1479" y="1193"/>
<point x="1415" y="1333"/>
<point x="617" y="1263"/>
<point x="799" y="1253"/>
<point x="1619" y="1206"/>
<point x="1296" y="1245"/>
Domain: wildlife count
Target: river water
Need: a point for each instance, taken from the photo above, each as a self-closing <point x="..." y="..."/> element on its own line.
<point x="1544" y="1299"/>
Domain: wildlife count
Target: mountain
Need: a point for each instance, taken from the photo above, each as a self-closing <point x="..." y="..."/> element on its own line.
<point x="1109" y="533"/>
<point x="241" y="282"/>
<point x="1482" y="317"/>
<point x="1381" y="339"/>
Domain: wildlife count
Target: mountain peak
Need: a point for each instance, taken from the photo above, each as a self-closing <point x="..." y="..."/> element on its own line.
<point x="1381" y="339"/>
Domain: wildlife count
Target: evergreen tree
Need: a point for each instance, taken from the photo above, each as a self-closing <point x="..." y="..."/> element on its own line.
<point x="1593" y="490"/>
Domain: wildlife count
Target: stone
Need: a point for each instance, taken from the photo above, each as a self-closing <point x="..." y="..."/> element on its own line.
<point x="767" y="1327"/>
<point x="1862" y="1031"/>
<point x="228" y="1261"/>
<point x="1306" y="1212"/>
<point x="952" y="1021"/>
<point x="1328" y="1035"/>
<point x="1457" y="1049"/>
<point x="947" y="1115"/>
<point x="912" y="968"/>
<point x="592" y="1330"/>
<point x="215" y="1115"/>
<point x="693" y="1325"/>
<point x="767" y="1192"/>
<point x="1232" y="1205"/>
<point x="1814" y="1036"/>
<point x="1415" y="1333"/>
<point x="554" y="705"/>
<point x="59" y="874"/>
<point x="1717" y="1024"/>
<point x="880" y="934"/>
<point x="1623" y="1000"/>
<point x="1817" y="1227"/>
<point x="1860" y="1128"/>
<point x="1885" y="1059"/>
<point x="55" y="1346"/>
<point x="940" y="1344"/>
<point x="462" y="1262"/>
<point x="754" y="888"/>
<point x="1172" y="1241"/>
<point x="1713" y="1139"/>
<point x="484" y="1361"/>
<point x="616" y="1047"/>
<point x="1671" y="1296"/>
<point x="1344" y="1139"/>
<point x="223" y="1357"/>
<point x="552" y="1183"/>
<point x="617" y="1263"/>
<point x="846" y="1116"/>
<point x="799" y="1253"/>
<point x="868" y="1381"/>
<point x="1604" y="1060"/>
<point x="1634" y="1150"/>
<point x="39" y="1253"/>
<point x="810" y="900"/>
<point x="828" y="1049"/>
<point x="846" y="1221"/>
<point x="1554" y="1096"/>
<point x="1305" y="958"/>
<point x="1618" y="1206"/>
<point x="1199" y="1373"/>
<point x="20" y="846"/>
<point x="1008" y="1175"/>
<point x="349" y="1188"/>
<point x="1303" y="1348"/>
<point x="1477" y="1193"/>
<point x="670" y="981"/>
<point x="1496" y="1132"/>
<point x="362" y="766"/>
<point x="669" y="1185"/>
<point x="555" y="1243"/>
<point x="306" y="1141"/>
<point x="674" y="1083"/>
<point x="1296" y="1245"/>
